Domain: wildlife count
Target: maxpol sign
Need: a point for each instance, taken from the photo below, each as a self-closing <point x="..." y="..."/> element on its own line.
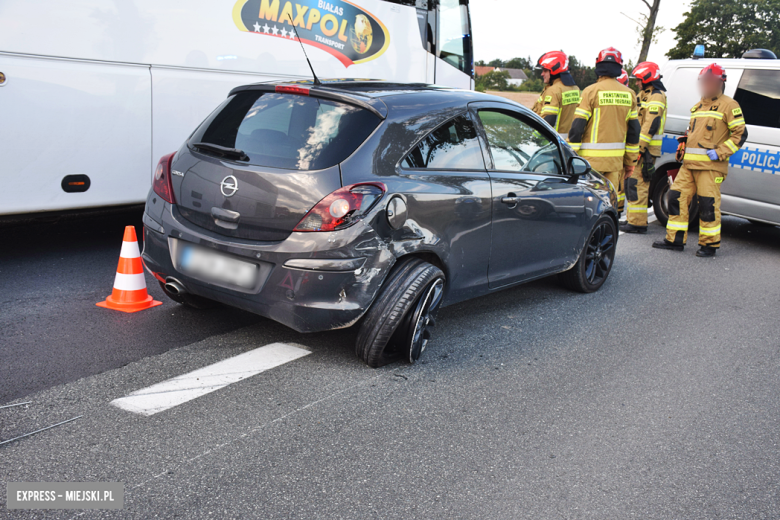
<point x="340" y="28"/>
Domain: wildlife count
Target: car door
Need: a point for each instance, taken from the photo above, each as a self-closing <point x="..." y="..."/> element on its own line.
<point x="538" y="211"/>
<point x="449" y="204"/>
<point x="752" y="187"/>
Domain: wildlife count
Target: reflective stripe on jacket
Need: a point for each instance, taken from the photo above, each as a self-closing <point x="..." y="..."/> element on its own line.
<point x="558" y="105"/>
<point x="606" y="126"/>
<point x="652" y="118"/>
<point x="716" y="124"/>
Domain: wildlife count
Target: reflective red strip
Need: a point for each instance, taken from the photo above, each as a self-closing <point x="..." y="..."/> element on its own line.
<point x="130" y="266"/>
<point x="121" y="296"/>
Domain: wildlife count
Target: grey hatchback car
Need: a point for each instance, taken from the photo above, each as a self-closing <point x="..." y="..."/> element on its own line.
<point x="322" y="206"/>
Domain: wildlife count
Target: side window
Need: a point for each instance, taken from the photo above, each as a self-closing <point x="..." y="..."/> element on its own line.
<point x="516" y="146"/>
<point x="452" y="146"/>
<point x="758" y="94"/>
<point x="455" y="35"/>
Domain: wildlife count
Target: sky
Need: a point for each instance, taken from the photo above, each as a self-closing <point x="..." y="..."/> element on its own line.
<point x="507" y="29"/>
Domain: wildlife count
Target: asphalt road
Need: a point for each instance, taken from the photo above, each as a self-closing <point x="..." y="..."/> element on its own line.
<point x="658" y="397"/>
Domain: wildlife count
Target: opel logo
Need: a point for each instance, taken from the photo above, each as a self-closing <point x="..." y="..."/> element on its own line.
<point x="229" y="186"/>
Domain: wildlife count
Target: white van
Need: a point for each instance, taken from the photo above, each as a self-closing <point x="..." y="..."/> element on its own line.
<point x="93" y="93"/>
<point x="752" y="188"/>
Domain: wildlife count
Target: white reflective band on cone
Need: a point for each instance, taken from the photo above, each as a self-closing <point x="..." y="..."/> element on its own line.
<point x="130" y="250"/>
<point x="129" y="282"/>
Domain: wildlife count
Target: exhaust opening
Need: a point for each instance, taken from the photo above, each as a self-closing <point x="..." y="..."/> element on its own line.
<point x="175" y="287"/>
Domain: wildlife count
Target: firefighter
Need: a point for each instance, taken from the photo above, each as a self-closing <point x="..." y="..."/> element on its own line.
<point x="652" y="118"/>
<point x="561" y="95"/>
<point x="627" y="162"/>
<point x="715" y="132"/>
<point x="605" y="130"/>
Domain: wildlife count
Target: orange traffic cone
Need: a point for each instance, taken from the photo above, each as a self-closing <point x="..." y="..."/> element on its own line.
<point x="129" y="293"/>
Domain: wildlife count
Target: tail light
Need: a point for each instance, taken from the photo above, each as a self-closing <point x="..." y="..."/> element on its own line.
<point x="161" y="184"/>
<point x="343" y="207"/>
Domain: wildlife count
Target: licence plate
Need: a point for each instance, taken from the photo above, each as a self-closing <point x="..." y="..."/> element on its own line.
<point x="211" y="266"/>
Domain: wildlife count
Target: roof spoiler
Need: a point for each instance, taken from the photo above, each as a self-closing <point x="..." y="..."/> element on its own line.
<point x="373" y="105"/>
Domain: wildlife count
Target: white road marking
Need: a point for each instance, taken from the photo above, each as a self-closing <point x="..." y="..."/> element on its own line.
<point x="180" y="389"/>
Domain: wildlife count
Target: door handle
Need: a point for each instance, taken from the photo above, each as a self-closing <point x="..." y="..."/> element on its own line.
<point x="511" y="199"/>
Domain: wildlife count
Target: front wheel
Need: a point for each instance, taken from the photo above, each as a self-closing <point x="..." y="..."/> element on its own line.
<point x="398" y="325"/>
<point x="596" y="260"/>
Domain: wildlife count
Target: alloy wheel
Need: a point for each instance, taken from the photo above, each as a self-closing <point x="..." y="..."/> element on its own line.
<point x="423" y="319"/>
<point x="600" y="253"/>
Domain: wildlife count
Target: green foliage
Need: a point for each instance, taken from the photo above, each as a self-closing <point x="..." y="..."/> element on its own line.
<point x="519" y="63"/>
<point x="493" y="80"/>
<point x="532" y="84"/>
<point x="583" y="75"/>
<point x="728" y="28"/>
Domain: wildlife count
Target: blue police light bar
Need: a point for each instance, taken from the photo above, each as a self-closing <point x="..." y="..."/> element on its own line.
<point x="698" y="52"/>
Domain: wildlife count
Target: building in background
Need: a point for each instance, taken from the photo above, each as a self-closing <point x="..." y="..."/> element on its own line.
<point x="516" y="76"/>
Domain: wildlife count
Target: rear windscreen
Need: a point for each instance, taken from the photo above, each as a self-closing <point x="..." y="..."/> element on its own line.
<point x="287" y="131"/>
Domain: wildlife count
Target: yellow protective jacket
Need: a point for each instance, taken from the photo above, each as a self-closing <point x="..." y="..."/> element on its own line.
<point x="537" y="108"/>
<point x="606" y="126"/>
<point x="652" y="119"/>
<point x="716" y="124"/>
<point x="559" y="102"/>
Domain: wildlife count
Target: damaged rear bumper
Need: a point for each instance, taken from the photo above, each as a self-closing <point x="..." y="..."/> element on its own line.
<point x="310" y="282"/>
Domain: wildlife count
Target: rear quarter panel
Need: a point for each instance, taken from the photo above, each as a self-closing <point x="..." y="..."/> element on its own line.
<point x="449" y="212"/>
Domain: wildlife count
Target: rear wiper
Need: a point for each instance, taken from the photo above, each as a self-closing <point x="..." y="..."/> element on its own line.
<point x="233" y="153"/>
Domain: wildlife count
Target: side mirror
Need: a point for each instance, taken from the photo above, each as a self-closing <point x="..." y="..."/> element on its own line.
<point x="578" y="166"/>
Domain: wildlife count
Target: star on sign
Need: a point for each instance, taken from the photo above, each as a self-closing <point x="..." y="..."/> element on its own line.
<point x="275" y="30"/>
<point x="266" y="28"/>
<point x="284" y="32"/>
<point x="257" y="27"/>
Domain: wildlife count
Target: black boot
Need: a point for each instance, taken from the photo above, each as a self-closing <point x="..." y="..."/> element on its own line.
<point x="665" y="244"/>
<point x="630" y="228"/>
<point x="706" y="252"/>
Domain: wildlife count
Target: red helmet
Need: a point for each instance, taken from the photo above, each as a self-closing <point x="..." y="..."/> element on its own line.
<point x="714" y="69"/>
<point x="611" y="55"/>
<point x="647" y="72"/>
<point x="623" y="78"/>
<point x="554" y="61"/>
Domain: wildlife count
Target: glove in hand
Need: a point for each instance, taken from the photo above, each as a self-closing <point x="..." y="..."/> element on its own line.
<point x="713" y="155"/>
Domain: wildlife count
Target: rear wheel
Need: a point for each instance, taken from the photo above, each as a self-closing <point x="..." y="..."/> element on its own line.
<point x="399" y="323"/>
<point x="596" y="260"/>
<point x="661" y="205"/>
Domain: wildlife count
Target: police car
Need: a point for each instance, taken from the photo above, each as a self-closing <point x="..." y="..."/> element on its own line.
<point x="752" y="188"/>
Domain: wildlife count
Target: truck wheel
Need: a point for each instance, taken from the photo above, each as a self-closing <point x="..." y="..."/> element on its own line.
<point x="398" y="324"/>
<point x="596" y="260"/>
<point x="661" y="205"/>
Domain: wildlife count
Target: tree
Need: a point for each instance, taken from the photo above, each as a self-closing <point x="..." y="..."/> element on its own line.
<point x="519" y="63"/>
<point x="583" y="75"/>
<point x="728" y="28"/>
<point x="648" y="32"/>
<point x="493" y="80"/>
